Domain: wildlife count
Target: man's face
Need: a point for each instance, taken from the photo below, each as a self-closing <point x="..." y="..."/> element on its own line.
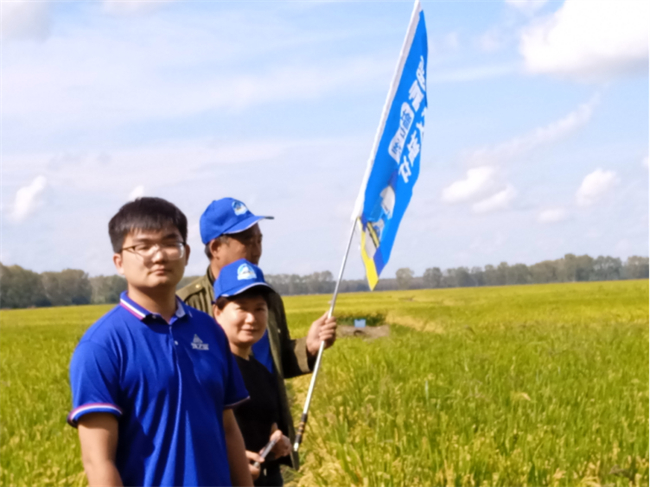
<point x="152" y="259"/>
<point x="244" y="245"/>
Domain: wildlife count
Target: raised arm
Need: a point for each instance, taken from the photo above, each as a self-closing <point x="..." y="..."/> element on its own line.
<point x="299" y="355"/>
<point x="98" y="435"/>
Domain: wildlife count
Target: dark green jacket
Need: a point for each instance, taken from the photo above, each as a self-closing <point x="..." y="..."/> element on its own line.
<point x="289" y="356"/>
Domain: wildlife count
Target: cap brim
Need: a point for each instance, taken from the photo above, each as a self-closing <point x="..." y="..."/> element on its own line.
<point x="232" y="293"/>
<point x="244" y="225"/>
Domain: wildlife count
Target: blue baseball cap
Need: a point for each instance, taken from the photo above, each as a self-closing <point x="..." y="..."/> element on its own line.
<point x="226" y="216"/>
<point x="237" y="277"/>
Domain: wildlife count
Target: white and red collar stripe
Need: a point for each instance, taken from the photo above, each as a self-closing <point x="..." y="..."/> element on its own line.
<point x="141" y="313"/>
<point x="132" y="309"/>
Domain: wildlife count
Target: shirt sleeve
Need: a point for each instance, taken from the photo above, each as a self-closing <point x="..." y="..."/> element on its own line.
<point x="94" y="380"/>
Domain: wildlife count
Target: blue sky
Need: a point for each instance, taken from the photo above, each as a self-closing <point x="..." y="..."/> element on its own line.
<point x="536" y="142"/>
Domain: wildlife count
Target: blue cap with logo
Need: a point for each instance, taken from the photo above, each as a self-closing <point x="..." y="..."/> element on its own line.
<point x="237" y="277"/>
<point x="226" y="216"/>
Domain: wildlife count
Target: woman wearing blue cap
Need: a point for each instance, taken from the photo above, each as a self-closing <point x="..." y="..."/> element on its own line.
<point x="241" y="309"/>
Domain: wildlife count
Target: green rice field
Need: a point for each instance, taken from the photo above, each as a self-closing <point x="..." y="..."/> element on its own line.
<point x="523" y="385"/>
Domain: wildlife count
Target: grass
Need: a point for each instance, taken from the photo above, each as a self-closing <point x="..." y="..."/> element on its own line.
<point x="527" y="385"/>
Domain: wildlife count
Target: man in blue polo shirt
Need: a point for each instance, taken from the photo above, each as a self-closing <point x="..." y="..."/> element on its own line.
<point x="153" y="381"/>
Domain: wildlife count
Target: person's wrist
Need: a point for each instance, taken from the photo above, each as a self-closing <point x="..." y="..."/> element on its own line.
<point x="309" y="347"/>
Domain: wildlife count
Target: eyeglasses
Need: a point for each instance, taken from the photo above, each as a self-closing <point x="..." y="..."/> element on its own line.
<point x="173" y="251"/>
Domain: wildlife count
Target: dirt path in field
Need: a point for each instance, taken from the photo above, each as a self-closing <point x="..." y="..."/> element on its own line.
<point x="415" y="323"/>
<point x="368" y="332"/>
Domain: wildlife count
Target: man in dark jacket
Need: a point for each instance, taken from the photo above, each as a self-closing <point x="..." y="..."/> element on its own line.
<point x="231" y="232"/>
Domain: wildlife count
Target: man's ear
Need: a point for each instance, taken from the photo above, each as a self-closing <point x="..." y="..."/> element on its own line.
<point x="187" y="254"/>
<point x="216" y="312"/>
<point x="117" y="260"/>
<point x="214" y="247"/>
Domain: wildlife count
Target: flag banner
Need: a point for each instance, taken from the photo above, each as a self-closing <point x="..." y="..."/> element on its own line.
<point x="394" y="163"/>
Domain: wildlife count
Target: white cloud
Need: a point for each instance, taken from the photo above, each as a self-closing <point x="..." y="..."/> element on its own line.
<point x="25" y="20"/>
<point x="589" y="40"/>
<point x="477" y="182"/>
<point x="156" y="165"/>
<point x="645" y="161"/>
<point x="137" y="192"/>
<point x="542" y="135"/>
<point x="528" y="7"/>
<point x="112" y="73"/>
<point x="594" y="186"/>
<point x="552" y="215"/>
<point x="28" y="199"/>
<point x="498" y="201"/>
<point x="130" y="7"/>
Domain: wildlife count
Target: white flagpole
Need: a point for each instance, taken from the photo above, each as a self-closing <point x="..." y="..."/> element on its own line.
<point x="305" y="410"/>
<point x="410" y="33"/>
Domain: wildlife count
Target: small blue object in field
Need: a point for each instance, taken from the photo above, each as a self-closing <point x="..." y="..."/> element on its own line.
<point x="360" y="323"/>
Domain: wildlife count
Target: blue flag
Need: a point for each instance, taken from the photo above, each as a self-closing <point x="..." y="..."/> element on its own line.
<point x="394" y="163"/>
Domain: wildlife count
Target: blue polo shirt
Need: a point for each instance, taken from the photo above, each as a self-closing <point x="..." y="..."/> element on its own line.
<point x="168" y="384"/>
<point x="262" y="351"/>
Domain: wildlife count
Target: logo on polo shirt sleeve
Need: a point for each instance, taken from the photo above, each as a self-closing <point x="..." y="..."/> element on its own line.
<point x="197" y="344"/>
<point x="245" y="272"/>
<point x="239" y="208"/>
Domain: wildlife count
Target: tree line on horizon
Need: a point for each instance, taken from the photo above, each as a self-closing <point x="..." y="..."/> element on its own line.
<point x="22" y="288"/>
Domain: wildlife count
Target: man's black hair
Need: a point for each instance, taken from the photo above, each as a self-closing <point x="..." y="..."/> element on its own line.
<point x="148" y="214"/>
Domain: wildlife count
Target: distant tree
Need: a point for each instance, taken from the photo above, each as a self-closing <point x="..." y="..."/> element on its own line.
<point x="607" y="268"/>
<point x="354" y="286"/>
<point x="70" y="286"/>
<point x="21" y="288"/>
<point x="432" y="277"/>
<point x="567" y="268"/>
<point x="502" y="274"/>
<point x="490" y="276"/>
<point x="478" y="276"/>
<point x="584" y="268"/>
<point x="296" y="284"/>
<point x="518" y="274"/>
<point x="404" y="278"/>
<point x="107" y="289"/>
<point x="277" y="282"/>
<point x="636" y="267"/>
<point x="576" y="268"/>
<point x="449" y="278"/>
<point x="459" y="277"/>
<point x="319" y="282"/>
<point x="544" y="272"/>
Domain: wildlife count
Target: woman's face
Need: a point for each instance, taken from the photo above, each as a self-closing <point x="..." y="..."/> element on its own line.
<point x="243" y="319"/>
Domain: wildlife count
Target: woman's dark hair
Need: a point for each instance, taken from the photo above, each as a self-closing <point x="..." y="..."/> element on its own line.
<point x="145" y="214"/>
<point x="253" y="292"/>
